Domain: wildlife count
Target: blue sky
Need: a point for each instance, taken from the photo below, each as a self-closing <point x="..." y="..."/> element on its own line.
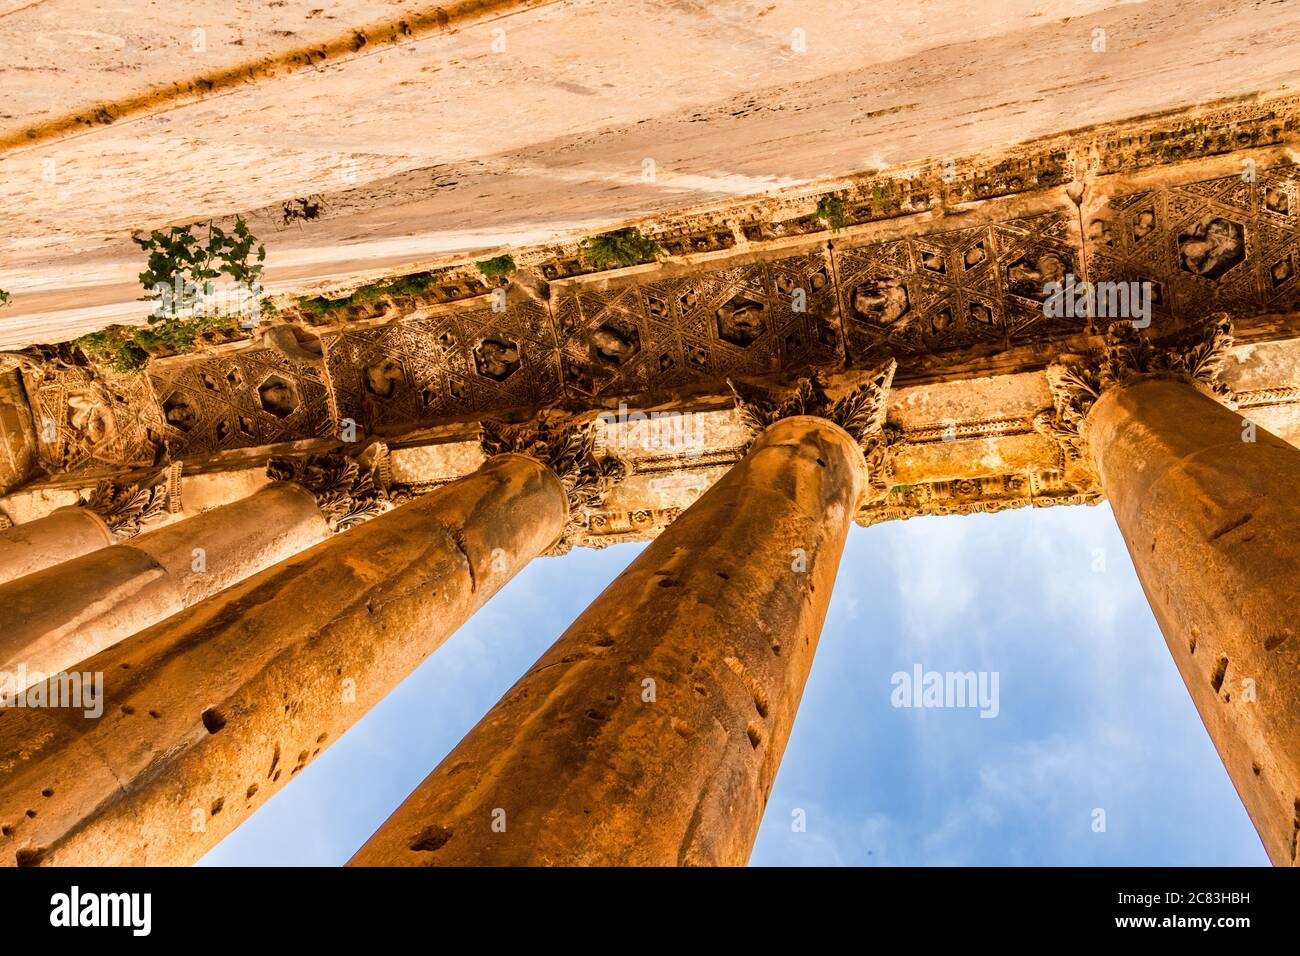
<point x="1092" y="712"/>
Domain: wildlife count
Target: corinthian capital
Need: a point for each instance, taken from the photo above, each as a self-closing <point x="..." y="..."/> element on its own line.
<point x="1196" y="356"/>
<point x="568" y="449"/>
<point x="860" y="412"/>
<point x="345" y="491"/>
<point x="128" y="509"/>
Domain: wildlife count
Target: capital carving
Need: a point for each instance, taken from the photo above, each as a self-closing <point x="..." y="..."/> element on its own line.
<point x="345" y="490"/>
<point x="860" y="412"/>
<point x="569" y="450"/>
<point x="1197" y="357"/>
<point x="128" y="508"/>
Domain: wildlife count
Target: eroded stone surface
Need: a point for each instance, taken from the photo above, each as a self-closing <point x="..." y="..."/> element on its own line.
<point x="71" y="611"/>
<point x="1210" y="521"/>
<point x="212" y="711"/>
<point x="651" y="732"/>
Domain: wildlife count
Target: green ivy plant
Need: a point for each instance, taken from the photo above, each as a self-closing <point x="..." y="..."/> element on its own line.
<point x="618" y="249"/>
<point x="830" y="210"/>
<point x="497" y="267"/>
<point x="4" y="297"/>
<point x="179" y="258"/>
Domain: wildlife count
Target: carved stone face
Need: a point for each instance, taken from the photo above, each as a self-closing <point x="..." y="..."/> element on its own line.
<point x="1281" y="270"/>
<point x="882" y="302"/>
<point x="1029" y="274"/>
<point x="613" y="345"/>
<point x="278" y="397"/>
<point x="1099" y="232"/>
<point x="89" y="416"/>
<point x="384" y="377"/>
<point x="497" y="358"/>
<point x="740" y="321"/>
<point x="180" y="413"/>
<point x="1212" y="247"/>
<point x="933" y="262"/>
<point x="1144" y="224"/>
<point x="1276" y="200"/>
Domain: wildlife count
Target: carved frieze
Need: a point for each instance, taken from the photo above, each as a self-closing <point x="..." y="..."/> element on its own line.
<point x="87" y="423"/>
<point x="425" y="367"/>
<point x="737" y="320"/>
<point x="941" y="290"/>
<point x="241" y="399"/>
<point x="1230" y="243"/>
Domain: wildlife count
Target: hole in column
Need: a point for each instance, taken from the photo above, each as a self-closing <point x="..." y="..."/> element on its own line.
<point x="1220" y="671"/>
<point x="212" y="720"/>
<point x="755" y="734"/>
<point x="217" y="804"/>
<point x="29" y="856"/>
<point x="1254" y="766"/>
<point x="430" y="839"/>
<point x="1191" y="643"/>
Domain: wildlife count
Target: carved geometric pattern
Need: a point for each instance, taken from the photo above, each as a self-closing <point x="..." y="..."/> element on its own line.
<point x="92" y="421"/>
<point x="740" y="320"/>
<point x="240" y="400"/>
<point x="425" y="367"/>
<point x="955" y="289"/>
<point x="1231" y="243"/>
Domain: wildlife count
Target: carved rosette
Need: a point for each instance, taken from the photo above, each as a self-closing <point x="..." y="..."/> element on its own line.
<point x="128" y="509"/>
<point x="860" y="412"/>
<point x="345" y="489"/>
<point x="569" y="450"/>
<point x="1197" y="357"/>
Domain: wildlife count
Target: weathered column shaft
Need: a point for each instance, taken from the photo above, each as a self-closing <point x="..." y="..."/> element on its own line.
<point x="60" y="536"/>
<point x="210" y="712"/>
<point x="64" y="614"/>
<point x="651" y="732"/>
<point x="1212" y="521"/>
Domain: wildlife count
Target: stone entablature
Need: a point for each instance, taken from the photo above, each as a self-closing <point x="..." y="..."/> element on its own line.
<point x="954" y="447"/>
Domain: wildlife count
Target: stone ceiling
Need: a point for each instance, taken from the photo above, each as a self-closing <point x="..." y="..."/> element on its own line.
<point x="945" y="274"/>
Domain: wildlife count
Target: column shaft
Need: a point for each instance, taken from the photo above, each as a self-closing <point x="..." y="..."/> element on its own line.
<point x="61" y="535"/>
<point x="66" y="613"/>
<point x="650" y="733"/>
<point x="210" y="712"/>
<point x="1212" y="522"/>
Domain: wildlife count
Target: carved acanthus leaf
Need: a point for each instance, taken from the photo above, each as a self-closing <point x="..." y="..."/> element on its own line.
<point x="860" y="412"/>
<point x="1198" y="355"/>
<point x="1127" y="355"/>
<point x="569" y="450"/>
<point x="344" y="491"/>
<point x="127" y="508"/>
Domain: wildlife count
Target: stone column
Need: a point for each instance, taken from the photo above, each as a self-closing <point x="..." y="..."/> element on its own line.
<point x="651" y="732"/>
<point x="212" y="711"/>
<point x="71" y="611"/>
<point x="1208" y="505"/>
<point x="62" y="534"/>
<point x="114" y="512"/>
